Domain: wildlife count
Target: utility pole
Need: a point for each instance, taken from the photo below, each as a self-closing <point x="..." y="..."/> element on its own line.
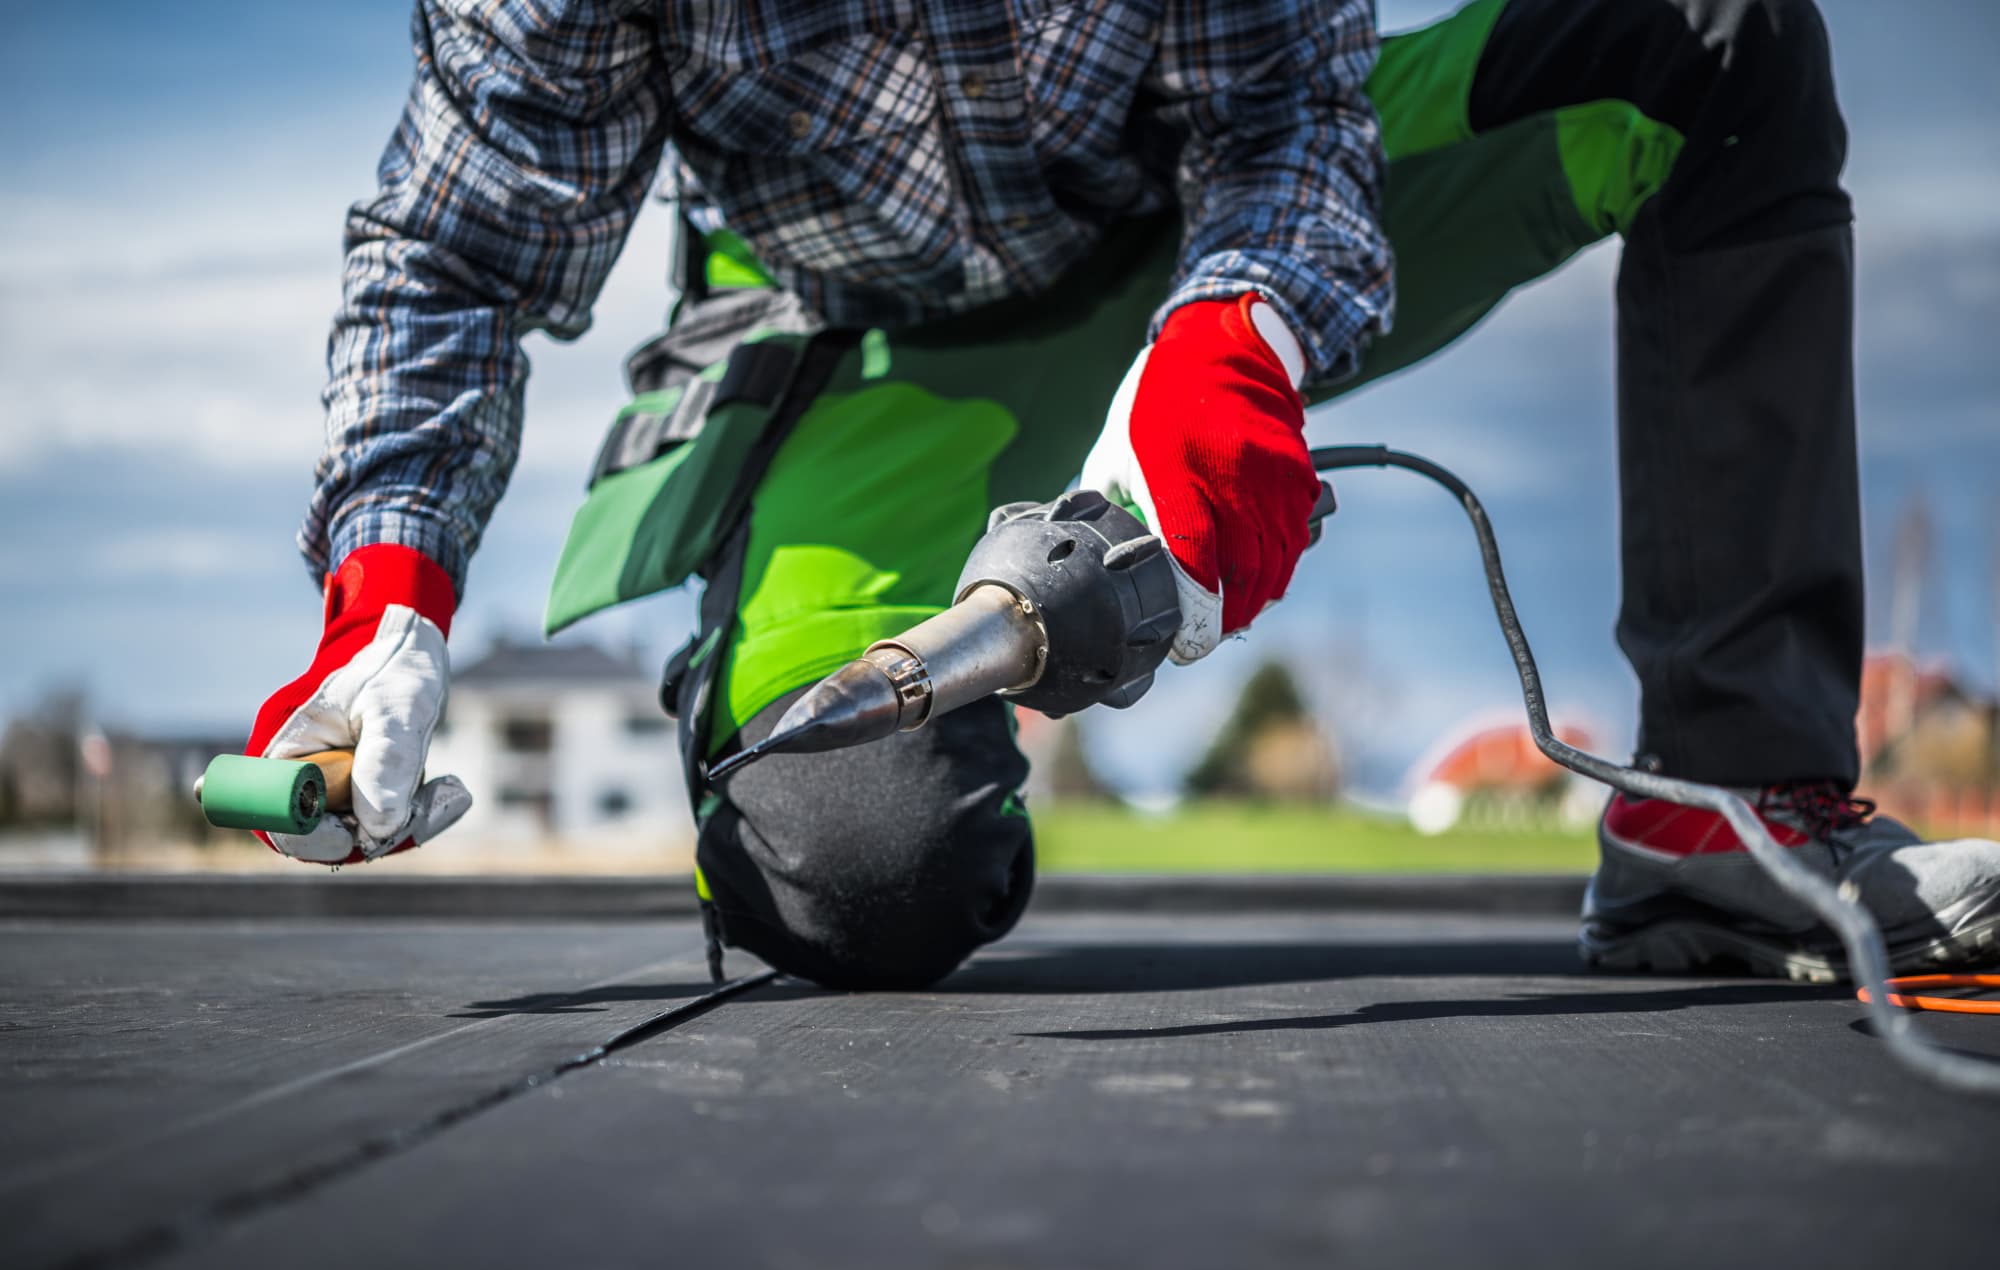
<point x="1906" y="586"/>
<point x="1993" y="704"/>
<point x="1993" y="563"/>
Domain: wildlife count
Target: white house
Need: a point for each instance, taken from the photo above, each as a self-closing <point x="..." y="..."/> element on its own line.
<point x="561" y="742"/>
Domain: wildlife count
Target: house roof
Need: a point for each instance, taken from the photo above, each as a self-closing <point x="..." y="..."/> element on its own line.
<point x="511" y="662"/>
<point x="1499" y="756"/>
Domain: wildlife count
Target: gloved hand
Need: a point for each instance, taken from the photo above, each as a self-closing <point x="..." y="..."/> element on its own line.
<point x="1206" y="438"/>
<point x="376" y="687"/>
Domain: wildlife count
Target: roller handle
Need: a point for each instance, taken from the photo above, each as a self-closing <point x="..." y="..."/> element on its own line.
<point x="337" y="766"/>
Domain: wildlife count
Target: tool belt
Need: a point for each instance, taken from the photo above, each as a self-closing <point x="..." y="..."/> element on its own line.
<point x="714" y="398"/>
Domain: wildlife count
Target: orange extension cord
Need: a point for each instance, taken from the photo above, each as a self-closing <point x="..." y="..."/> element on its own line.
<point x="1943" y="1005"/>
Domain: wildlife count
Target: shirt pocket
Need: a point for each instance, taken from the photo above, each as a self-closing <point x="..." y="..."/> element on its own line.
<point x="832" y="161"/>
<point x="1083" y="64"/>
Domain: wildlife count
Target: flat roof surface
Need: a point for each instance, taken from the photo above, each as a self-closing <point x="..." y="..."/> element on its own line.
<point x="1104" y="1088"/>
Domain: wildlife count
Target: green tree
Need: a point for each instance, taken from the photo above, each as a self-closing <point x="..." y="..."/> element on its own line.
<point x="1270" y="715"/>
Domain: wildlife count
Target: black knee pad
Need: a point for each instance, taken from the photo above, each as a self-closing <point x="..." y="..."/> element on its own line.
<point x="880" y="866"/>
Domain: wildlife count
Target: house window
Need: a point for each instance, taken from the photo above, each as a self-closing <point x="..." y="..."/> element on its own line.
<point x="614" y="804"/>
<point x="538" y="803"/>
<point x="527" y="734"/>
<point x="646" y="723"/>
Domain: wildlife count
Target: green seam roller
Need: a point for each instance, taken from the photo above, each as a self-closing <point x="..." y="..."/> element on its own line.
<point x="275" y="795"/>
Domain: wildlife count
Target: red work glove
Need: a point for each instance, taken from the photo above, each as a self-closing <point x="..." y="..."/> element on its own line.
<point x="1206" y="438"/>
<point x="377" y="687"/>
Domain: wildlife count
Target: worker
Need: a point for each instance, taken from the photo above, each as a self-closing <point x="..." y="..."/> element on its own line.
<point x="1010" y="241"/>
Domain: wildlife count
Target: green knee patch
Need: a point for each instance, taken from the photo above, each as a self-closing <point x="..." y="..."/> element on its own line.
<point x="858" y="531"/>
<point x="1615" y="159"/>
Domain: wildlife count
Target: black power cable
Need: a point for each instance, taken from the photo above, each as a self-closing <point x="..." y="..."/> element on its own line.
<point x="1839" y="907"/>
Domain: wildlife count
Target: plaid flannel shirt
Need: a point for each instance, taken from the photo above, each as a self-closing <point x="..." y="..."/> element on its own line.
<point x="889" y="160"/>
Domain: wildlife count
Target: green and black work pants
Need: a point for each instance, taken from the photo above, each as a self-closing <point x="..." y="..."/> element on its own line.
<point x="1703" y="132"/>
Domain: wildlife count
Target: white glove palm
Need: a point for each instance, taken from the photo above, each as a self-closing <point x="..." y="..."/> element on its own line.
<point x="383" y="705"/>
<point x="377" y="687"/>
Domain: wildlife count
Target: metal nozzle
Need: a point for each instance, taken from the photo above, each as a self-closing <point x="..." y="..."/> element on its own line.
<point x="990" y="641"/>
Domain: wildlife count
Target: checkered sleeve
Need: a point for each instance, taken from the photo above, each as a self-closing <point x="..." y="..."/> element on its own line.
<point x="530" y="136"/>
<point x="1280" y="171"/>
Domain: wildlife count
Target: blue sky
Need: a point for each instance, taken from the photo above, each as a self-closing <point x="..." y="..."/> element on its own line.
<point x="169" y="255"/>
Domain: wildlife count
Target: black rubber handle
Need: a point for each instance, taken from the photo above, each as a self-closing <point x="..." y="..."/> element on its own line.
<point x="1326" y="505"/>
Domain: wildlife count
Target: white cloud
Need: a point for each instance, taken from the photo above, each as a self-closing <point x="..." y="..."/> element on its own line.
<point x="200" y="335"/>
<point x="57" y="238"/>
<point x="180" y="553"/>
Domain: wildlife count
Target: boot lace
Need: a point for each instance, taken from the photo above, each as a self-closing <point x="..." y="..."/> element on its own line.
<point x="1821" y="807"/>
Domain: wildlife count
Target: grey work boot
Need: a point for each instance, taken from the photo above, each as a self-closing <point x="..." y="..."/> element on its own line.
<point x="1676" y="890"/>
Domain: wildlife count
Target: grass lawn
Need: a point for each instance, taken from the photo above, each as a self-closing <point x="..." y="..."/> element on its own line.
<point x="1244" y="838"/>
